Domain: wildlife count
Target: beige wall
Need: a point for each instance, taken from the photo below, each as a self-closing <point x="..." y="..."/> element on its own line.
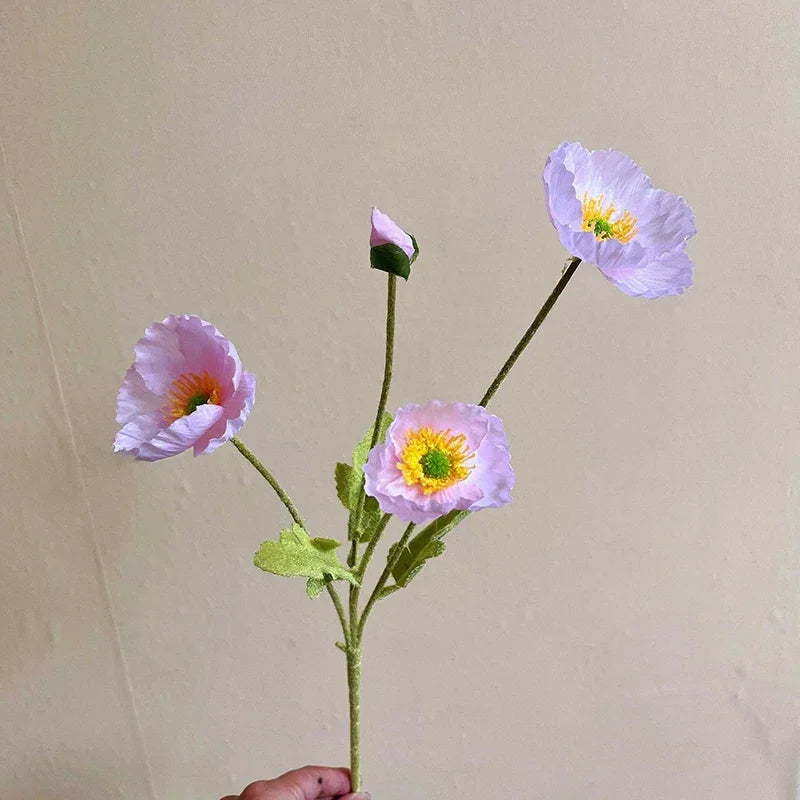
<point x="628" y="628"/>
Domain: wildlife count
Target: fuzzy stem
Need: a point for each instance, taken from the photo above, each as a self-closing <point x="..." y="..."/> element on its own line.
<point x="354" y="696"/>
<point x="354" y="639"/>
<point x="569" y="271"/>
<point x="337" y="604"/>
<point x="267" y="475"/>
<point x="391" y="295"/>
<point x="286" y="500"/>
<point x="390" y="565"/>
<point x="373" y="543"/>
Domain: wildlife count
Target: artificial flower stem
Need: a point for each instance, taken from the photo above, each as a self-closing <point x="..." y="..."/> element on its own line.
<point x="569" y="271"/>
<point x="287" y="501"/>
<point x="391" y="562"/>
<point x="353" y="652"/>
<point x="337" y="604"/>
<point x="373" y="543"/>
<point x="270" y="479"/>
<point x="354" y="638"/>
<point x="570" y="266"/>
<point x="391" y="295"/>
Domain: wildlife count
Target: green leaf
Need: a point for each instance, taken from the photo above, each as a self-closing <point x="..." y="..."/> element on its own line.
<point x="361" y="452"/>
<point x="416" y="248"/>
<point x="370" y="517"/>
<point x="315" y="587"/>
<point x="350" y="482"/>
<point x="296" y="553"/>
<point x="344" y="484"/>
<point x="349" y="478"/>
<point x="387" y="590"/>
<point x="389" y="257"/>
<point x="425" y="545"/>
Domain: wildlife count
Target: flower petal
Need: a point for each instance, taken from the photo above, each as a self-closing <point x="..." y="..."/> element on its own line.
<point x="180" y="435"/>
<point x="205" y="349"/>
<point x="559" y="189"/>
<point x="671" y="274"/>
<point x="237" y="409"/>
<point x="134" y="398"/>
<point x="159" y="359"/>
<point x="386" y="231"/>
<point x="665" y="222"/>
<point x="493" y="474"/>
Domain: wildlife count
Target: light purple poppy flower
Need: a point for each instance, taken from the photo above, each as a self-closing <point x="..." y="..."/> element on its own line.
<point x="607" y="212"/>
<point x="185" y="389"/>
<point x="437" y="458"/>
<point x="391" y="248"/>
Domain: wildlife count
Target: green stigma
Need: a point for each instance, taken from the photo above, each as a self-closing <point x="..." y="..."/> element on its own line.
<point x="435" y="464"/>
<point x="602" y="229"/>
<point x="194" y="402"/>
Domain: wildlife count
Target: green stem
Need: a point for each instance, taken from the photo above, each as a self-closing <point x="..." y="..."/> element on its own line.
<point x="337" y="604"/>
<point x="569" y="271"/>
<point x="270" y="479"/>
<point x="391" y="295"/>
<point x="353" y="642"/>
<point x="287" y="501"/>
<point x="373" y="543"/>
<point x="354" y="645"/>
<point x="354" y="696"/>
<point x="385" y="575"/>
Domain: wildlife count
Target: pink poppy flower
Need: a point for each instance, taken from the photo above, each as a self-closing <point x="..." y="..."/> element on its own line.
<point x="607" y="212"/>
<point x="185" y="389"/>
<point x="437" y="458"/>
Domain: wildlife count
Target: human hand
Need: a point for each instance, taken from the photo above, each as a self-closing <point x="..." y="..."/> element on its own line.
<point x="308" y="783"/>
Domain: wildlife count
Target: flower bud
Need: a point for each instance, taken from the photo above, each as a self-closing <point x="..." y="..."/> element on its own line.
<point x="391" y="248"/>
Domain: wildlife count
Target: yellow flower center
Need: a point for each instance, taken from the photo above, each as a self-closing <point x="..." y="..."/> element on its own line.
<point x="598" y="220"/>
<point x="435" y="460"/>
<point x="189" y="391"/>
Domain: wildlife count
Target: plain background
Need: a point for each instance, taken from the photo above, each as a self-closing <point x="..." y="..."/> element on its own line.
<point x="628" y="627"/>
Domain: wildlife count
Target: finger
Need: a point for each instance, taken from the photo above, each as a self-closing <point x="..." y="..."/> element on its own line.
<point x="308" y="783"/>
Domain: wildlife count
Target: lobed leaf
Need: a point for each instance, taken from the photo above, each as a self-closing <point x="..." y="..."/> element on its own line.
<point x="297" y="554"/>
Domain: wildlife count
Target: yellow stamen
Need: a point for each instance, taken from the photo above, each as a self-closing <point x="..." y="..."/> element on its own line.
<point x="435" y="460"/>
<point x="598" y="220"/>
<point x="189" y="391"/>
